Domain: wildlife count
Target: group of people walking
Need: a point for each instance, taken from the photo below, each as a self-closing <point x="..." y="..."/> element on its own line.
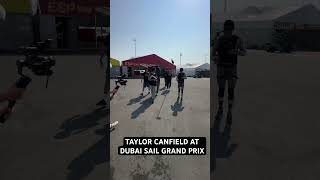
<point x="151" y="81"/>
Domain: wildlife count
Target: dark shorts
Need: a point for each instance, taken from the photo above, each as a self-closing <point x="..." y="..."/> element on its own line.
<point x="180" y="84"/>
<point x="227" y="72"/>
<point x="145" y="84"/>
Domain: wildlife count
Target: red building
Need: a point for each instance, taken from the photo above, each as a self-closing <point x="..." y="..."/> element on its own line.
<point x="142" y="63"/>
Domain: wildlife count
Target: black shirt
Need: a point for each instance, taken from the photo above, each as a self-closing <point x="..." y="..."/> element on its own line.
<point x="145" y="77"/>
<point x="181" y="76"/>
<point x="227" y="44"/>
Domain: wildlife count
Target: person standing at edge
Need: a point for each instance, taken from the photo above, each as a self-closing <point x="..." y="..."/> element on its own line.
<point x="105" y="56"/>
<point x="226" y="50"/>
<point x="180" y="78"/>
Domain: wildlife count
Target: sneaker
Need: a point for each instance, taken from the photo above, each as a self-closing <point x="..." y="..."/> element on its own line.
<point x="102" y="103"/>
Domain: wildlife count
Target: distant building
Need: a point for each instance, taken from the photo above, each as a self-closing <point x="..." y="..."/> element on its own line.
<point x="257" y="24"/>
<point x="144" y="62"/>
<point x="192" y="69"/>
<point x="71" y="24"/>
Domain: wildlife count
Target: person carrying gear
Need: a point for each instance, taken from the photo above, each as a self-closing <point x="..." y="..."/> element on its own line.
<point x="180" y="79"/>
<point x="145" y="80"/>
<point x="227" y="48"/>
<point x="153" y="81"/>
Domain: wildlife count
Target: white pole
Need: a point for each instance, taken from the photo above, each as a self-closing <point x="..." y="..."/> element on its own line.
<point x="135" y="48"/>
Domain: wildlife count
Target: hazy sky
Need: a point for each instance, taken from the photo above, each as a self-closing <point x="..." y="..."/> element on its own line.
<point x="218" y="5"/>
<point x="162" y="27"/>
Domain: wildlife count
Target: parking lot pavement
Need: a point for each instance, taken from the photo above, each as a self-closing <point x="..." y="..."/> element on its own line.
<point x="55" y="133"/>
<point x="276" y="119"/>
<point x="166" y="117"/>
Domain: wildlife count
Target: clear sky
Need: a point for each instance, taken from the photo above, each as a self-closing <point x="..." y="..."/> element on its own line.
<point x="162" y="27"/>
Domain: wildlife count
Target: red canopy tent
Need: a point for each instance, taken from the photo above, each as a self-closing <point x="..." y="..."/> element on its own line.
<point x="149" y="60"/>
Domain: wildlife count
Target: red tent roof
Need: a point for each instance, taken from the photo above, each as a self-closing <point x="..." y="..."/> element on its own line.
<point x="149" y="60"/>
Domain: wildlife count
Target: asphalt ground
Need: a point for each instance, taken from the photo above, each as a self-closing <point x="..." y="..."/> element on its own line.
<point x="275" y="131"/>
<point x="167" y="117"/>
<point x="56" y="133"/>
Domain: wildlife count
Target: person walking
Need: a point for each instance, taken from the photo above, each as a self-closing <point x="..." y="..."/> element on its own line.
<point x="180" y="79"/>
<point x="226" y="50"/>
<point x="153" y="84"/>
<point x="166" y="79"/>
<point x="145" y="79"/>
<point x="169" y="80"/>
<point x="157" y="72"/>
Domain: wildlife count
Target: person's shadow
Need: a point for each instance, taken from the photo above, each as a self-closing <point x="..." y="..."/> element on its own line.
<point x="177" y="107"/>
<point x="220" y="143"/>
<point x="86" y="162"/>
<point x="144" y="106"/>
<point x="135" y="100"/>
<point x="81" y="123"/>
<point x="164" y="93"/>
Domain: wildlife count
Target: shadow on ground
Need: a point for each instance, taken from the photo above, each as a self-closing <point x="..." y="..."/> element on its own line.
<point x="81" y="123"/>
<point x="136" y="100"/>
<point x="164" y="93"/>
<point x="220" y="142"/>
<point x="177" y="107"/>
<point x="144" y="106"/>
<point x="86" y="162"/>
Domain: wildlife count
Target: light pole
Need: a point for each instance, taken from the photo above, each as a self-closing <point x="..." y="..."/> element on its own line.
<point x="135" y="47"/>
<point x="180" y="58"/>
<point x="205" y="58"/>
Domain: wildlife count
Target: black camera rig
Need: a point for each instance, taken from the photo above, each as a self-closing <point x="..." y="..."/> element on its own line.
<point x="36" y="61"/>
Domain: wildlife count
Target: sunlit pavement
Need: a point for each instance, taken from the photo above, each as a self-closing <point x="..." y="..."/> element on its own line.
<point x="276" y="119"/>
<point x="55" y="133"/>
<point x="138" y="117"/>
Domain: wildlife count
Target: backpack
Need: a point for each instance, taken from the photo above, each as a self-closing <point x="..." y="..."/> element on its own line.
<point x="181" y="76"/>
<point x="153" y="80"/>
<point x="227" y="44"/>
